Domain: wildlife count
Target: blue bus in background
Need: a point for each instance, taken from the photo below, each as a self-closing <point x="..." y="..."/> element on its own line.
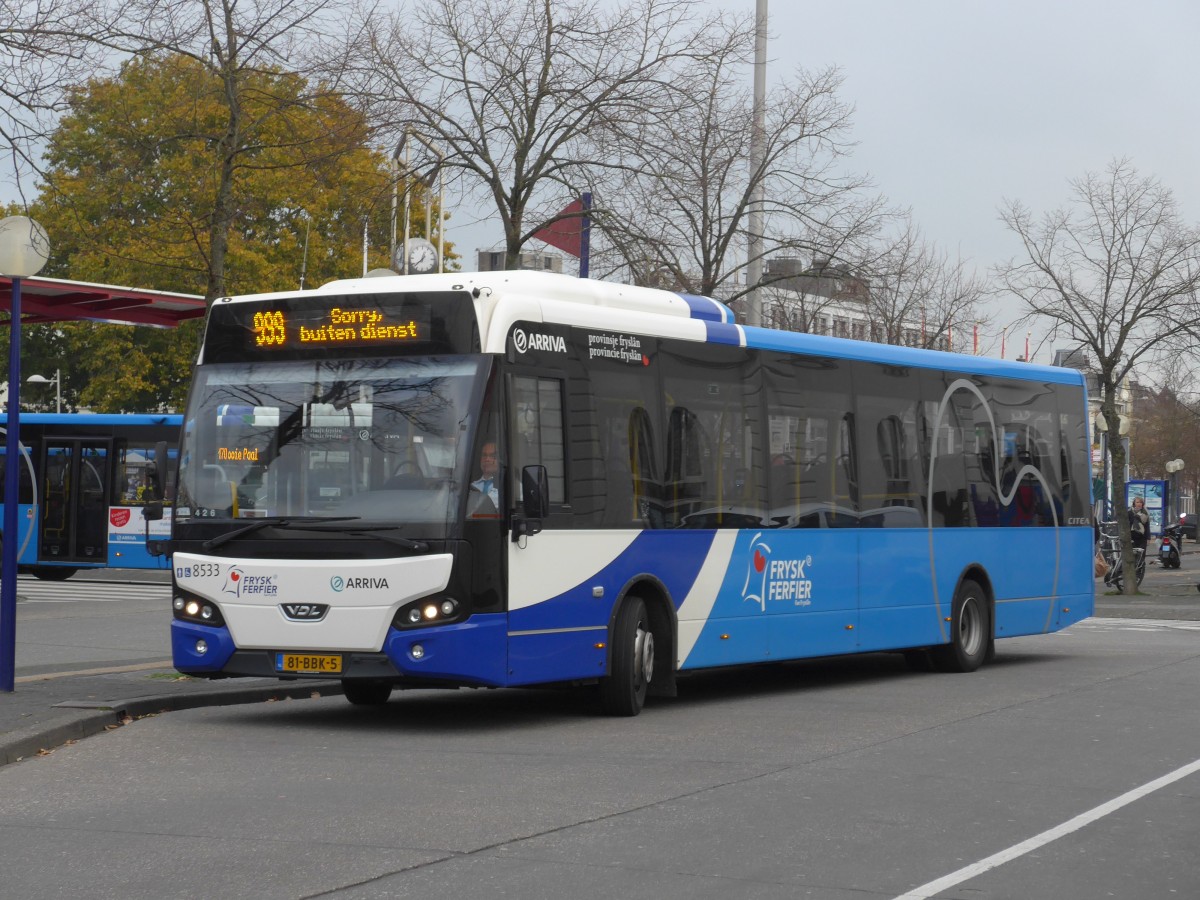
<point x="517" y="478"/>
<point x="85" y="480"/>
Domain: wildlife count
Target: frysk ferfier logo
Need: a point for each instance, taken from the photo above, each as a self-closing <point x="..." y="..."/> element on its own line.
<point x="776" y="580"/>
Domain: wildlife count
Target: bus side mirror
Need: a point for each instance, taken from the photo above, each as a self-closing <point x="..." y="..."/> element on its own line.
<point x="153" y="512"/>
<point x="535" y="502"/>
<point x="535" y="492"/>
<point x="159" y="472"/>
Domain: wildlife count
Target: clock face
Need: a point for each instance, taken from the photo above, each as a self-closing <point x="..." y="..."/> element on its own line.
<point x="422" y="256"/>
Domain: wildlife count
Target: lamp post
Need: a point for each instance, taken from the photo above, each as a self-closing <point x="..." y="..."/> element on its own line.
<point x="1174" y="467"/>
<point x="24" y="249"/>
<point x="1123" y="431"/>
<point x="57" y="382"/>
<point x="754" y="262"/>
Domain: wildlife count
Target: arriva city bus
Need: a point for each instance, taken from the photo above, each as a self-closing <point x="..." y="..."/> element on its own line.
<point x="518" y="478"/>
<point x="85" y="482"/>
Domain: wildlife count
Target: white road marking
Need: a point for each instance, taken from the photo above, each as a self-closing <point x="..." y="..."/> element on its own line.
<point x="1083" y="819"/>
<point x="34" y="590"/>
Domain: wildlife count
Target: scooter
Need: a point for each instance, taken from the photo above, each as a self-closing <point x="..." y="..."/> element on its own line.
<point x="1168" y="551"/>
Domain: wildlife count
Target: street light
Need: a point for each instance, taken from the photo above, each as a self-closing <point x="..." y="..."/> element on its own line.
<point x="1101" y="424"/>
<point x="1174" y="467"/>
<point x="56" y="381"/>
<point x="24" y="249"/>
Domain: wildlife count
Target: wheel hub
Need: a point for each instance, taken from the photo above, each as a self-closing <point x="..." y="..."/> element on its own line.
<point x="643" y="653"/>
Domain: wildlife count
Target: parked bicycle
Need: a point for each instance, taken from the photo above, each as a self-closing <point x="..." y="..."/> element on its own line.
<point x="1110" y="549"/>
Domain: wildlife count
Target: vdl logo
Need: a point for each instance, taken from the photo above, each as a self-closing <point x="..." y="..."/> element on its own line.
<point x="338" y="583"/>
<point x="304" y="612"/>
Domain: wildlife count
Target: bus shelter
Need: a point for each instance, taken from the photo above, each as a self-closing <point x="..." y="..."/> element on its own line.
<point x="45" y="300"/>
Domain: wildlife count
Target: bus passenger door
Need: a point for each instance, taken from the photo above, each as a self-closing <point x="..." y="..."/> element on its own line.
<point x="73" y="525"/>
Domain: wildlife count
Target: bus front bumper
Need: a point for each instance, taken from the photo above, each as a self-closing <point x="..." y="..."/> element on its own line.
<point x="468" y="653"/>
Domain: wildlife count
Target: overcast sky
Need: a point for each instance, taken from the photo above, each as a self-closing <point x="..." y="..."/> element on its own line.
<point x="962" y="104"/>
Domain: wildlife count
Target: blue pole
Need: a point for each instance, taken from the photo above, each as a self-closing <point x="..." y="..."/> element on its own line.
<point x="12" y="485"/>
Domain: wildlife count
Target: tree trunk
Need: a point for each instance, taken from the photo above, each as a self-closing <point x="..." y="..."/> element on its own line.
<point x="1116" y="455"/>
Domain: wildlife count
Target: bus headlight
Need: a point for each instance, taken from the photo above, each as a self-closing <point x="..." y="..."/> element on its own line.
<point x="196" y="609"/>
<point x="429" y="611"/>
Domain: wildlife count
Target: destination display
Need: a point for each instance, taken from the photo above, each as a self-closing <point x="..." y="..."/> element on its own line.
<point x="356" y="325"/>
<point x="336" y="327"/>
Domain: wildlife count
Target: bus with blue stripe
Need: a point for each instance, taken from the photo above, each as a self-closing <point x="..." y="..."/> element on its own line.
<point x="85" y="480"/>
<point x="515" y="478"/>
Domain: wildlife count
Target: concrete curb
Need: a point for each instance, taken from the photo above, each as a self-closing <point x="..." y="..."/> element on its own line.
<point x="96" y="716"/>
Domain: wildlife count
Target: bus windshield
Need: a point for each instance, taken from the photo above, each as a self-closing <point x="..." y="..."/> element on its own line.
<point x="379" y="440"/>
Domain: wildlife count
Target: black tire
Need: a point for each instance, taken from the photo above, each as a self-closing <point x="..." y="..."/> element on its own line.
<point x="52" y="573"/>
<point x="362" y="692"/>
<point x="631" y="664"/>
<point x="918" y="660"/>
<point x="970" y="631"/>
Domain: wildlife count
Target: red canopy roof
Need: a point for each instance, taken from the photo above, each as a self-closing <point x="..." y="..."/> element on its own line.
<point x="55" y="300"/>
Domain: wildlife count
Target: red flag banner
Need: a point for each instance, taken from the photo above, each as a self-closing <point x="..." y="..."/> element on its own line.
<point x="565" y="234"/>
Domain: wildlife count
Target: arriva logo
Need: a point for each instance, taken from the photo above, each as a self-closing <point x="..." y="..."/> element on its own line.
<point x="552" y="343"/>
<point x="775" y="579"/>
<point x="339" y="584"/>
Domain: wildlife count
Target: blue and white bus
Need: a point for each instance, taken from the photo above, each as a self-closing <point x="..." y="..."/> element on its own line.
<point x="675" y="491"/>
<point x="85" y="480"/>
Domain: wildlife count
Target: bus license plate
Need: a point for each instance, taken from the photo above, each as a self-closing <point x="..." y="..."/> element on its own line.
<point x="308" y="663"/>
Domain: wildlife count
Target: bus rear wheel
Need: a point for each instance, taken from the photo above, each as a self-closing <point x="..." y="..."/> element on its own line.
<point x="52" y="573"/>
<point x="366" y="693"/>
<point x="631" y="668"/>
<point x="970" y="631"/>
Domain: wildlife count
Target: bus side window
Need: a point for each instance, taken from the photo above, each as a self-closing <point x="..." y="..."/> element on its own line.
<point x="538" y="438"/>
<point x="686" y="479"/>
<point x="647" y="499"/>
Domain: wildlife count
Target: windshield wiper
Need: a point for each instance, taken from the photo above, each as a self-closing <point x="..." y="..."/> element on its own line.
<point x="259" y="524"/>
<point x="371" y="531"/>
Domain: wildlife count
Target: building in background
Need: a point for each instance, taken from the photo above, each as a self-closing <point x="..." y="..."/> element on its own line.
<point x="827" y="297"/>
<point x="534" y="260"/>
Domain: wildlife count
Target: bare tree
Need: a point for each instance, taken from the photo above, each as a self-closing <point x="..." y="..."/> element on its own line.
<point x="917" y="289"/>
<point x="516" y="93"/>
<point x="46" y="47"/>
<point x="686" y="193"/>
<point x="1116" y="272"/>
<point x="1167" y="424"/>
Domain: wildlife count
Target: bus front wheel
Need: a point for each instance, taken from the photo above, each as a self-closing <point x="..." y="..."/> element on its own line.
<point x="970" y="631"/>
<point x="366" y="693"/>
<point x="631" y="668"/>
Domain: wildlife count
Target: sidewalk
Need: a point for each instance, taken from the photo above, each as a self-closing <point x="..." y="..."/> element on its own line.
<point x="46" y="712"/>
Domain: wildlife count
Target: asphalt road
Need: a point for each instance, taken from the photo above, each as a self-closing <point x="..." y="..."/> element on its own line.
<point x="1067" y="769"/>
